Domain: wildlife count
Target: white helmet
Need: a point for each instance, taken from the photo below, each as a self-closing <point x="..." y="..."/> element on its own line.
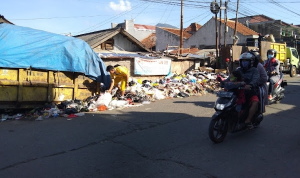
<point x="247" y="56"/>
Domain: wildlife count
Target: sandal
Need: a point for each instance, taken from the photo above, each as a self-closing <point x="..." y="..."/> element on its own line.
<point x="249" y="126"/>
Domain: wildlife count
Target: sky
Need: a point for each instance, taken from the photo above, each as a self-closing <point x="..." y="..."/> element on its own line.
<point x="82" y="16"/>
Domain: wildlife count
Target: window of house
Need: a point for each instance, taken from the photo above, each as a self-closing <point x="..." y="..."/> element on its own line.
<point x="108" y="44"/>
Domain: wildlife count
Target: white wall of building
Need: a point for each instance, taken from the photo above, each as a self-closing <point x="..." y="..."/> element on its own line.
<point x="205" y="36"/>
<point x="123" y="44"/>
<point x="164" y="38"/>
<point x="139" y="34"/>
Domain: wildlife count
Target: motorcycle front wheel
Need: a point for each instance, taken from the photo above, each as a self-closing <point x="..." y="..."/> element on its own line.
<point x="218" y="128"/>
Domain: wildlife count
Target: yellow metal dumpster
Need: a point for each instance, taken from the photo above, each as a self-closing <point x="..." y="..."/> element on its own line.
<point x="25" y="88"/>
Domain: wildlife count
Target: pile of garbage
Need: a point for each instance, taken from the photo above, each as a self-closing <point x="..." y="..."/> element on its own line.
<point x="193" y="83"/>
<point x="65" y="109"/>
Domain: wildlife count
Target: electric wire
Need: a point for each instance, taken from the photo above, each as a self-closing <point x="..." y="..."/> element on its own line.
<point x="163" y="14"/>
<point x="142" y="11"/>
<point x="169" y="14"/>
<point x="110" y="19"/>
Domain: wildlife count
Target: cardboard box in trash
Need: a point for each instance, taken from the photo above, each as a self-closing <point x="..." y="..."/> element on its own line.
<point x="220" y="71"/>
<point x="206" y="69"/>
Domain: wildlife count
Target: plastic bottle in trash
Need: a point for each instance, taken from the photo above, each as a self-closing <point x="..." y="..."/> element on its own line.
<point x="55" y="114"/>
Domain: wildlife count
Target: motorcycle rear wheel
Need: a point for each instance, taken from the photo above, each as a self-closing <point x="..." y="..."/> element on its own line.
<point x="218" y="128"/>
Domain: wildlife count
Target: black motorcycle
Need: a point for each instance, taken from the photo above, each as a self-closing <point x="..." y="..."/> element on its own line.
<point x="227" y="118"/>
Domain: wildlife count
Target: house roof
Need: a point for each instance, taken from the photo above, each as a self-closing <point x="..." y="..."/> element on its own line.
<point x="254" y="19"/>
<point x="2" y="19"/>
<point x="193" y="27"/>
<point x="186" y="34"/>
<point x="260" y="18"/>
<point x="144" y="27"/>
<point x="94" y="39"/>
<point x="296" y="26"/>
<point x="242" y="29"/>
<point x="187" y="50"/>
<point x="150" y="41"/>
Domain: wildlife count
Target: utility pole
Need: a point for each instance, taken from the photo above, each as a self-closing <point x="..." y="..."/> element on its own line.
<point x="225" y="19"/>
<point x="217" y="51"/>
<point x="220" y="37"/>
<point x="220" y="27"/>
<point x="181" y="29"/>
<point x="236" y="21"/>
<point x="214" y="8"/>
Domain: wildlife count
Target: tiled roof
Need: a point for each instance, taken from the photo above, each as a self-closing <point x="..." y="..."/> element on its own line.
<point x="150" y="41"/>
<point x="186" y="35"/>
<point x="240" y="28"/>
<point x="94" y="39"/>
<point x="144" y="27"/>
<point x="193" y="27"/>
<point x="260" y="18"/>
<point x="296" y="26"/>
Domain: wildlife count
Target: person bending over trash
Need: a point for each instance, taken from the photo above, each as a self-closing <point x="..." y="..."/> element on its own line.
<point x="118" y="74"/>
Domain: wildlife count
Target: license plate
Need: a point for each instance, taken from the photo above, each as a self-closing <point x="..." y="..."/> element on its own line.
<point x="225" y="94"/>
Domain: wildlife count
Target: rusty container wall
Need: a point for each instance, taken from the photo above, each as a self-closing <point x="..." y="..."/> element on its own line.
<point x="24" y="88"/>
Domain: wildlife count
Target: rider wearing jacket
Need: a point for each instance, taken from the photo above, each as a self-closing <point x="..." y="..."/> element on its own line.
<point x="251" y="78"/>
<point x="272" y="68"/>
<point x="262" y="82"/>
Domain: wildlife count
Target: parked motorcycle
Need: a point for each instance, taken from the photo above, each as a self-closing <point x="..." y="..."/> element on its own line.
<point x="278" y="90"/>
<point x="227" y="118"/>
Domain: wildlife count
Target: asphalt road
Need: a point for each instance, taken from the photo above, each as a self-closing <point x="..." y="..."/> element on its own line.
<point x="167" y="138"/>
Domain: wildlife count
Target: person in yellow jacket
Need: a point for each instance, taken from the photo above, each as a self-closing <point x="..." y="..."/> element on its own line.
<point x="118" y="74"/>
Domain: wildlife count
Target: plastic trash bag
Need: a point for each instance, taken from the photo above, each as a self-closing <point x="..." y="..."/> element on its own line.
<point x="79" y="114"/>
<point x="104" y="99"/>
<point x="158" y="95"/>
<point x="118" y="103"/>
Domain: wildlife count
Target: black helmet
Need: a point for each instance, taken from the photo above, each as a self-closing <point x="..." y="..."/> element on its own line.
<point x="273" y="51"/>
<point x="257" y="57"/>
<point x="247" y="56"/>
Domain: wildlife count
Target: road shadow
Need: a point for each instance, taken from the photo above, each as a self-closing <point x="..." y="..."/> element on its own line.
<point x="204" y="104"/>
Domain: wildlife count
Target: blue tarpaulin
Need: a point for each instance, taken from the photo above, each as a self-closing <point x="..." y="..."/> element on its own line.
<point x="22" y="47"/>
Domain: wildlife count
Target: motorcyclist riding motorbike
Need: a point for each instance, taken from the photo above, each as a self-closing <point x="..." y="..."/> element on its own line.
<point x="262" y="82"/>
<point x="251" y="78"/>
<point x="272" y="67"/>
